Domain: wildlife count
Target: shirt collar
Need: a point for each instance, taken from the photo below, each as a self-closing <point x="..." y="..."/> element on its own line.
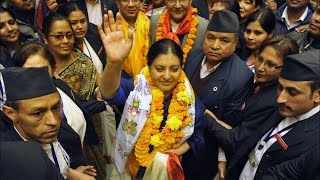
<point x="302" y="17"/>
<point x="308" y="114"/>
<point x="94" y="3"/>
<point x="204" y="66"/>
<point x="129" y="26"/>
<point x="24" y="139"/>
<point x="174" y="26"/>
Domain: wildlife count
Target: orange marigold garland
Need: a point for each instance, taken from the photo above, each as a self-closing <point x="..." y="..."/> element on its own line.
<point x="171" y="134"/>
<point x="191" y="36"/>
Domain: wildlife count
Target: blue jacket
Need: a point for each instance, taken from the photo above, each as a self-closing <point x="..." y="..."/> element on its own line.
<point x="257" y="108"/>
<point x="225" y="92"/>
<point x="281" y="27"/>
<point x="227" y="89"/>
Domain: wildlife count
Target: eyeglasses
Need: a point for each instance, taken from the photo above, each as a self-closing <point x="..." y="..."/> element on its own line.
<point x="267" y="63"/>
<point x="126" y="2"/>
<point x="61" y="36"/>
<point x="174" y="2"/>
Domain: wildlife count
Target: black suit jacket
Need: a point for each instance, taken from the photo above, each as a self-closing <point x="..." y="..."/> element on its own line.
<point x="304" y="167"/>
<point x="67" y="137"/>
<point x="26" y="160"/>
<point x="257" y="102"/>
<point x="257" y="109"/>
<point x="5" y="57"/>
<point x="5" y="123"/>
<point x="299" y="139"/>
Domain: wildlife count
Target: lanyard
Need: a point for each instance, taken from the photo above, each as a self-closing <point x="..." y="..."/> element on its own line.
<point x="269" y="136"/>
<point x="54" y="157"/>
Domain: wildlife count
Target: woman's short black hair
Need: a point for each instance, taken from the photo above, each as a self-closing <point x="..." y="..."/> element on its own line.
<point x="164" y="46"/>
<point x="30" y="49"/>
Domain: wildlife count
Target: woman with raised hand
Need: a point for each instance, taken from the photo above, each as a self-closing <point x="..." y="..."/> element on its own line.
<point x="161" y="113"/>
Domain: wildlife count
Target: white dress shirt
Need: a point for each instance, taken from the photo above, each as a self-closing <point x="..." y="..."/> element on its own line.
<point x="94" y="12"/>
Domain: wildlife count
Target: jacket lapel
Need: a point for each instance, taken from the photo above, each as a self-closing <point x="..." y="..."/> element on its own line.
<point x="296" y="134"/>
<point x="193" y="64"/>
<point x="252" y="140"/>
<point x="13" y="135"/>
<point x="217" y="81"/>
<point x="67" y="127"/>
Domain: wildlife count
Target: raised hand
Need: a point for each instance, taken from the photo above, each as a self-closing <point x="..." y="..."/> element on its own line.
<point x="117" y="46"/>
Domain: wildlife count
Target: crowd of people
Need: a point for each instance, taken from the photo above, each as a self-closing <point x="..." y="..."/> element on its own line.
<point x="160" y="89"/>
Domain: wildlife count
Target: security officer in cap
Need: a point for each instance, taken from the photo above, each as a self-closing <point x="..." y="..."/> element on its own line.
<point x="289" y="132"/>
<point x="219" y="77"/>
<point x="31" y="101"/>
